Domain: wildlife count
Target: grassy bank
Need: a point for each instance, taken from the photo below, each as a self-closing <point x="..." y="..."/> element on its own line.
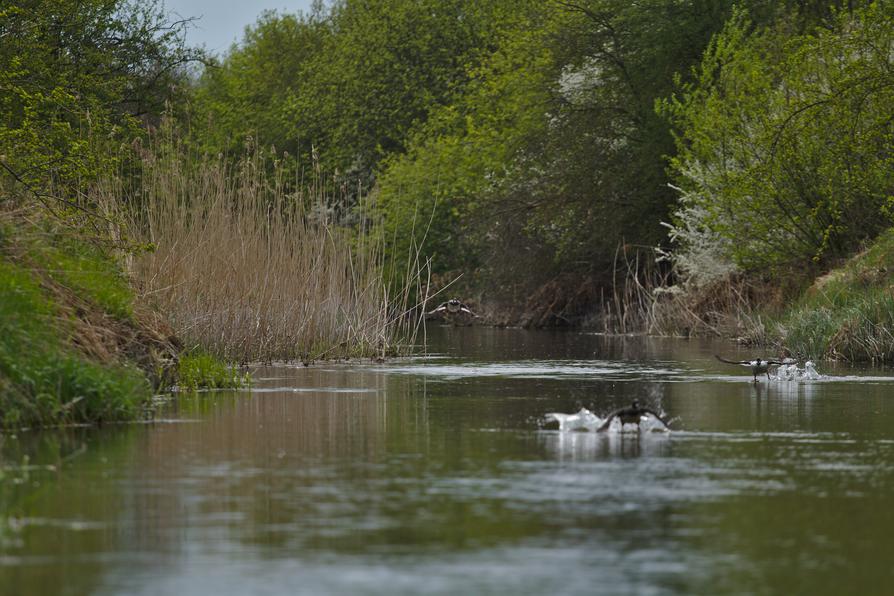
<point x="847" y="314"/>
<point x="72" y="348"/>
<point x="193" y="263"/>
<point x="75" y="344"/>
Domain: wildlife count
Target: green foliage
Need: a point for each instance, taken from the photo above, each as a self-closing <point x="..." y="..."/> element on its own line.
<point x="251" y="92"/>
<point x="76" y="77"/>
<point x="199" y="370"/>
<point x="431" y="195"/>
<point x="784" y="149"/>
<point x="346" y="86"/>
<point x="552" y="154"/>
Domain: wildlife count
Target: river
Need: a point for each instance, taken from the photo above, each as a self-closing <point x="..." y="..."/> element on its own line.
<point x="438" y="475"/>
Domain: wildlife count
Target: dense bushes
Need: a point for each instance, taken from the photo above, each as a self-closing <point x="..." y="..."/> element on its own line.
<point x="785" y="145"/>
<point x="78" y="80"/>
<point x="552" y="155"/>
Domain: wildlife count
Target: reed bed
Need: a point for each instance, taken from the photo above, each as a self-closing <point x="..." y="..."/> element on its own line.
<point x="645" y="299"/>
<point x="251" y="264"/>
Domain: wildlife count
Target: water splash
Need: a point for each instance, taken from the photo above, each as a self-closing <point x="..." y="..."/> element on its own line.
<point x="791" y="372"/>
<point x="585" y="420"/>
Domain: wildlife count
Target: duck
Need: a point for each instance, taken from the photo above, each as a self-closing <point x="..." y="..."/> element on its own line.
<point x="758" y="365"/>
<point x="451" y="307"/>
<point x="631" y="415"/>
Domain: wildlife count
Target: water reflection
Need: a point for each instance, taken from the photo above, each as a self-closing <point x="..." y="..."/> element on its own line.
<point x="588" y="446"/>
<point x="436" y="475"/>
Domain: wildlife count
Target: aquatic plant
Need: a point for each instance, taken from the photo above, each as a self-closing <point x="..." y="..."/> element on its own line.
<point x="197" y="370"/>
<point x="650" y="296"/>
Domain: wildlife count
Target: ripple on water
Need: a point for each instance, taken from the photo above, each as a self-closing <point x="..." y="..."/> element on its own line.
<point x="291" y="389"/>
<point x="543" y="369"/>
<point x="665" y="371"/>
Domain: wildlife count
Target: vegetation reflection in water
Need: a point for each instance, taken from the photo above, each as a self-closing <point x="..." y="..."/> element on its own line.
<point x="407" y="478"/>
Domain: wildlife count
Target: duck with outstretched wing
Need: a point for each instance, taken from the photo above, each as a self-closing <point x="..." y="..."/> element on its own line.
<point x="631" y="415"/>
<point x="758" y="365"/>
<point x="451" y="307"/>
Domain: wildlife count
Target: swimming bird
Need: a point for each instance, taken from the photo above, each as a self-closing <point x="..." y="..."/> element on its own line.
<point x="631" y="415"/>
<point x="757" y="366"/>
<point x="452" y="307"/>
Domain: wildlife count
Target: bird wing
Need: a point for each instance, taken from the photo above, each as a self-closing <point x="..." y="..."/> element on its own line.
<point x="656" y="415"/>
<point x="604" y="426"/>
<point x="743" y="362"/>
<point x="465" y="308"/>
<point x="439" y="309"/>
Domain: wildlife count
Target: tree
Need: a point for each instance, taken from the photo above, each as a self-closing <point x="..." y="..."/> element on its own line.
<point x="553" y="154"/>
<point x="254" y="90"/>
<point x="77" y="75"/>
<point x="348" y="85"/>
<point x="785" y="146"/>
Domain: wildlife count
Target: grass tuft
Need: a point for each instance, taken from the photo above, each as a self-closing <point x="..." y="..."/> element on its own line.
<point x="198" y="370"/>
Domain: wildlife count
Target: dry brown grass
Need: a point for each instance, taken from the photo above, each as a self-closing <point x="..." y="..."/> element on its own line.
<point x="645" y="300"/>
<point x="248" y="270"/>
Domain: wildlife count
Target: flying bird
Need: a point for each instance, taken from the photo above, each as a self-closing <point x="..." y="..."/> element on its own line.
<point x="452" y="307"/>
<point x="757" y="366"/>
<point x="631" y="415"/>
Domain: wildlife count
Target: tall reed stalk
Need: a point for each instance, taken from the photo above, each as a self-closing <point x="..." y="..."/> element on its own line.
<point x="249" y="262"/>
<point x="645" y="299"/>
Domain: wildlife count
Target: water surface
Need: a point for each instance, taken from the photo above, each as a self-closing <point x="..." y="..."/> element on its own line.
<point x="436" y="475"/>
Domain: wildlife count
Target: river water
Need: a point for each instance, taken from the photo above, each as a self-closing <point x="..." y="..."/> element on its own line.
<point x="438" y="475"/>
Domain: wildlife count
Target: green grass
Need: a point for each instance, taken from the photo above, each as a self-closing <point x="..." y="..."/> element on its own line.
<point x="200" y="370"/>
<point x="45" y="381"/>
<point x="84" y="269"/>
<point x="847" y="314"/>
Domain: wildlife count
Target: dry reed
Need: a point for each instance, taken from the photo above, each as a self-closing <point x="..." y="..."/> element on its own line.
<point x="250" y="270"/>
<point x="645" y="300"/>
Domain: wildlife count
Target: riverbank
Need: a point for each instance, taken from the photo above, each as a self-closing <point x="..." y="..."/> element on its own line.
<point x="846" y="314"/>
<point x="74" y="345"/>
